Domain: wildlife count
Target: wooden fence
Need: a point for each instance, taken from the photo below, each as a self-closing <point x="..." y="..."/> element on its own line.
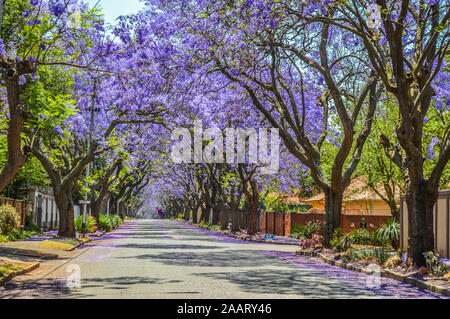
<point x="21" y="207"/>
<point x="280" y="224"/>
<point x="441" y="224"/>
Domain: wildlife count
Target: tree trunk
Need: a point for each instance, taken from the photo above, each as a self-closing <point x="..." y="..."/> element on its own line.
<point x="16" y="156"/>
<point x="195" y="214"/>
<point x="235" y="220"/>
<point x="64" y="202"/>
<point x="252" y="198"/>
<point x="206" y="211"/>
<point x="333" y="208"/>
<point x="215" y="213"/>
<point x="395" y="211"/>
<point x="420" y="221"/>
<point x="95" y="207"/>
<point x="225" y="218"/>
<point x="187" y="211"/>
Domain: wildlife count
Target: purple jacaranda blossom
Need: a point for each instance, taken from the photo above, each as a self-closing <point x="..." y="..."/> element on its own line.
<point x="56" y="7"/>
<point x="26" y="13"/>
<point x="430" y="148"/>
<point x="59" y="130"/>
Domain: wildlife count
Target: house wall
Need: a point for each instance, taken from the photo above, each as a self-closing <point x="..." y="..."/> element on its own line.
<point x="318" y="204"/>
<point x="366" y="207"/>
<point x="45" y="212"/>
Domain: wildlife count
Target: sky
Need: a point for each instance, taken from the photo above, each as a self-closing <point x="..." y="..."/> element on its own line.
<point x="115" y="8"/>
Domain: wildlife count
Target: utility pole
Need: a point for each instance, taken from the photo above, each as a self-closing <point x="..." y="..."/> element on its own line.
<point x="107" y="207"/>
<point x="88" y="169"/>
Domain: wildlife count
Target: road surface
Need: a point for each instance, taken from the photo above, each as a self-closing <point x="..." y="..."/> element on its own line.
<point x="167" y="259"/>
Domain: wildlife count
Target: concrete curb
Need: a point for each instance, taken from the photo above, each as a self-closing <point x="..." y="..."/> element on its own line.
<point x="384" y="273"/>
<point x="28" y="253"/>
<point x="37" y="253"/>
<point x="79" y="245"/>
<point x="20" y="272"/>
<point x="98" y="236"/>
<point x="259" y="241"/>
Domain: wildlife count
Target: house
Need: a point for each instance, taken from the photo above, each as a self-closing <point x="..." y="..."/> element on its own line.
<point x="361" y="205"/>
<point x="292" y="201"/>
<point x="42" y="207"/>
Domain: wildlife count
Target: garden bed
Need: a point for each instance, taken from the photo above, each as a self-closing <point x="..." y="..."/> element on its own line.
<point x="405" y="274"/>
<point x="63" y="243"/>
<point x="10" y="268"/>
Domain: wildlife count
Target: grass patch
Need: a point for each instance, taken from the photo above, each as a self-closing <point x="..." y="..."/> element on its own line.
<point x="6" y="269"/>
<point x="59" y="244"/>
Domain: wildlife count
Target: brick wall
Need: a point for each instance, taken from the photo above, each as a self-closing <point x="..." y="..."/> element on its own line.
<point x="352" y="222"/>
<point x="280" y="224"/>
<point x="19" y="205"/>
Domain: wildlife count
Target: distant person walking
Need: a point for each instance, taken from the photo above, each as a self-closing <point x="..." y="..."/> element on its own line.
<point x="160" y="212"/>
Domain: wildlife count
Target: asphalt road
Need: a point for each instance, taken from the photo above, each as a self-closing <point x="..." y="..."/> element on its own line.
<point x="166" y="259"/>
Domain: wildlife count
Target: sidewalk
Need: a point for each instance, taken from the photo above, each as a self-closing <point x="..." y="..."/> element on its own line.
<point x="46" y="265"/>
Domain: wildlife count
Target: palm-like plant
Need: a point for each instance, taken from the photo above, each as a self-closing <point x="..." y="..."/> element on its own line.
<point x="390" y="232"/>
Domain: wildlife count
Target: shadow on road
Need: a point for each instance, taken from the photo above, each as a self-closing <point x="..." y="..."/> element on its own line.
<point x="166" y="246"/>
<point x="57" y="288"/>
<point x="225" y="258"/>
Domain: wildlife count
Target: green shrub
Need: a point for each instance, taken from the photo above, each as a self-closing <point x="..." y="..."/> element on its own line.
<point x="105" y="223"/>
<point x="390" y="233"/>
<point x="9" y="219"/>
<point x="274" y="203"/>
<point x="376" y="240"/>
<point x="205" y="225"/>
<point x="337" y="237"/>
<point x="108" y="223"/>
<point x="380" y="254"/>
<point x="15" y="234"/>
<point x="91" y="224"/>
<point x="113" y="221"/>
<point x="118" y="220"/>
<point x="30" y="225"/>
<point x="209" y="225"/>
<point x="340" y="240"/>
<point x="305" y="231"/>
<point x="361" y="237"/>
<point x="344" y="244"/>
<point x="435" y="267"/>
